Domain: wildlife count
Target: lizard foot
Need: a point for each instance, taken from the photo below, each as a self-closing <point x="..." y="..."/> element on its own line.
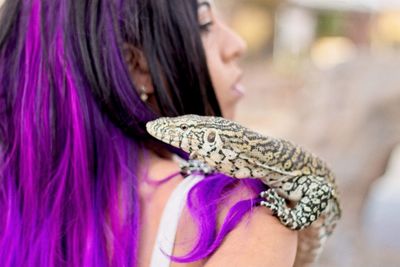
<point x="277" y="205"/>
<point x="307" y="210"/>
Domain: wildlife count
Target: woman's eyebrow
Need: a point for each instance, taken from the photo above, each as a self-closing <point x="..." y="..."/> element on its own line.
<point x="204" y="3"/>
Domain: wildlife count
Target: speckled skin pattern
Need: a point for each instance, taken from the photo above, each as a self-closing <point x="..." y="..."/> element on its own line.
<point x="302" y="194"/>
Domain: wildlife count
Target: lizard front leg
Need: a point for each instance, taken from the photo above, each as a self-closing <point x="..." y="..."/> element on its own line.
<point x="315" y="194"/>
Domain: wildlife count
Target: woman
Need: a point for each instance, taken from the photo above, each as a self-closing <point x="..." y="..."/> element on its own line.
<point x="79" y="80"/>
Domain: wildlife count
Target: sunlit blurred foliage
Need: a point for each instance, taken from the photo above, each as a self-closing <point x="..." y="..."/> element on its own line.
<point x="328" y="52"/>
<point x="330" y="24"/>
<point x="255" y="25"/>
<point x="254" y="21"/>
<point x="386" y="30"/>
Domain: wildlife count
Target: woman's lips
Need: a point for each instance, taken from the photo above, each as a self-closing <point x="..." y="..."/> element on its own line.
<point x="238" y="87"/>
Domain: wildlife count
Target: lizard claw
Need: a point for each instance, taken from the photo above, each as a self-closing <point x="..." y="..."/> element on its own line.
<point x="272" y="197"/>
<point x="193" y="155"/>
<point x="195" y="166"/>
<point x="273" y="201"/>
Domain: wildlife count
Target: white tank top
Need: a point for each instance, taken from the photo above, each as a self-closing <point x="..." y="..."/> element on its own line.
<point x="169" y="222"/>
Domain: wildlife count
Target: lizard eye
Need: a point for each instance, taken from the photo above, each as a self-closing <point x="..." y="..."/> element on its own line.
<point x="211" y="137"/>
<point x="184" y="127"/>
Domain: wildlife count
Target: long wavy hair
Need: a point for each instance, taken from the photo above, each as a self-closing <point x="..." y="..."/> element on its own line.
<point x="72" y="128"/>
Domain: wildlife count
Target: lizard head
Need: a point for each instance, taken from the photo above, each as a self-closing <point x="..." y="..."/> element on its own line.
<point x="176" y="131"/>
<point x="203" y="137"/>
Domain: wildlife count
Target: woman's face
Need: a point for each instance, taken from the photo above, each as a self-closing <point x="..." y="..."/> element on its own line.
<point x="223" y="48"/>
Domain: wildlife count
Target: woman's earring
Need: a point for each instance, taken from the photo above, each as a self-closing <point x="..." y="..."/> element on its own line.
<point x="143" y="94"/>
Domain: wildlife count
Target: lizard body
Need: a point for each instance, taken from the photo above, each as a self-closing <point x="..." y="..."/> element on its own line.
<point x="303" y="194"/>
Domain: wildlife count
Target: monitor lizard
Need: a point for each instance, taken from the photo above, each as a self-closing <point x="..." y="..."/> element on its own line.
<point x="301" y="193"/>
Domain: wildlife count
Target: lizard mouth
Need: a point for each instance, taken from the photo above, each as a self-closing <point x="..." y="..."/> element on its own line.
<point x="161" y="130"/>
<point x="162" y="133"/>
<point x="170" y="136"/>
<point x="165" y="136"/>
<point x="151" y="129"/>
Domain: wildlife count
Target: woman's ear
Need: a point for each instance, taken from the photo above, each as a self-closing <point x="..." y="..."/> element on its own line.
<point x="138" y="68"/>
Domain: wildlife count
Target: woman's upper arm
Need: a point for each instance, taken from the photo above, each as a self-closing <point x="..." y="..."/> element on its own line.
<point x="259" y="240"/>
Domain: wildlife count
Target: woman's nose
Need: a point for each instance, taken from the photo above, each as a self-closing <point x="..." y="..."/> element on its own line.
<point x="233" y="46"/>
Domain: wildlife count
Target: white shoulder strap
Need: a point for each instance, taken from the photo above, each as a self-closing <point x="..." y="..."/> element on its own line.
<point x="169" y="222"/>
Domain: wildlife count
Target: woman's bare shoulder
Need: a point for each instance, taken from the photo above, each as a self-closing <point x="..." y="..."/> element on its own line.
<point x="160" y="167"/>
<point x="258" y="240"/>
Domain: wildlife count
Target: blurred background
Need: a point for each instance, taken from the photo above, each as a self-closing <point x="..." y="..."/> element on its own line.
<point x="326" y="74"/>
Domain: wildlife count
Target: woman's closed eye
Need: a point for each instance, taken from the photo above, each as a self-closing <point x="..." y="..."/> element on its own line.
<point x="206" y="27"/>
<point x="205" y="16"/>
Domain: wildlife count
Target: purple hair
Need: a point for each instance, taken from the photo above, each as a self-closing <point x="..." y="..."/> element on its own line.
<point x="72" y="132"/>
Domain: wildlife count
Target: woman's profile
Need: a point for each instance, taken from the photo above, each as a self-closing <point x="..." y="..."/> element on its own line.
<point x="81" y="182"/>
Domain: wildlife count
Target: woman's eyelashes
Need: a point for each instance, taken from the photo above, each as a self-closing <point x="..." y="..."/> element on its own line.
<point x="206" y="27"/>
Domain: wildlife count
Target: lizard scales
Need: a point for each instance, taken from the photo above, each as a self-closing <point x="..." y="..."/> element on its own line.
<point x="303" y="193"/>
